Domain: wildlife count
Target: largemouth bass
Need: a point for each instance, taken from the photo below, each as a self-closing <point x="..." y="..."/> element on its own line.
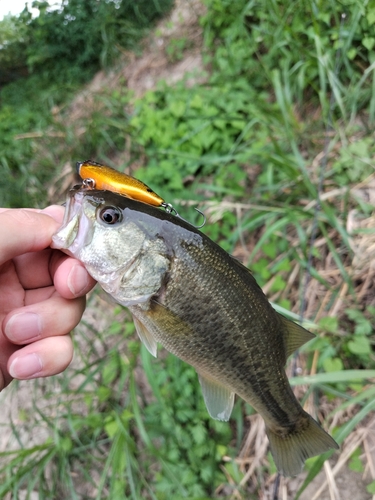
<point x="188" y="294"/>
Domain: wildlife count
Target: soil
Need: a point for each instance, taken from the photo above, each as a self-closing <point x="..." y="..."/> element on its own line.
<point x="349" y="486"/>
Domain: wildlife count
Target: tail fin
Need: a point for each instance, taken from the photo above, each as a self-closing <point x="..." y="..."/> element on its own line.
<point x="291" y="450"/>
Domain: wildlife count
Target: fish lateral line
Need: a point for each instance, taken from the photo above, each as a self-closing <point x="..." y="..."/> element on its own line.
<point x="97" y="176"/>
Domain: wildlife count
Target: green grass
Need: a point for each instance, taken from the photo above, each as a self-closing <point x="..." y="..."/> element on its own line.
<point x="271" y="147"/>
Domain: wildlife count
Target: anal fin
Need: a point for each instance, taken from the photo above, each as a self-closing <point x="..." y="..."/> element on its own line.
<point x="146" y="337"/>
<point x="218" y="398"/>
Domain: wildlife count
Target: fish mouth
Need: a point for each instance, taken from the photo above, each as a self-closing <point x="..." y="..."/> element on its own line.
<point x="66" y="235"/>
<point x="76" y="231"/>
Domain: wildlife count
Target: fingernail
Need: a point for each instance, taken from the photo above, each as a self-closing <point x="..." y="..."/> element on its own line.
<point x="78" y="280"/>
<point x="23" y="327"/>
<point x="27" y="366"/>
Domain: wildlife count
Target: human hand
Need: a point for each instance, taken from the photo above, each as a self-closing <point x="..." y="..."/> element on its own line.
<point x="42" y="295"/>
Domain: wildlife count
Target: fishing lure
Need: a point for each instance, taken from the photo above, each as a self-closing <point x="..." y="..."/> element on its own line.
<point x="102" y="177"/>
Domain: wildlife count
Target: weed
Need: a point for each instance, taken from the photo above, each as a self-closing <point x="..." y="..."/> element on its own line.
<point x="176" y="48"/>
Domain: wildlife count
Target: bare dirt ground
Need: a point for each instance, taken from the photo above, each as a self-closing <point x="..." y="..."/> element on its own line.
<point x="142" y="73"/>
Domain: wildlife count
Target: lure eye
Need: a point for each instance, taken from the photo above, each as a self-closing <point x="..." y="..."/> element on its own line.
<point x="110" y="215"/>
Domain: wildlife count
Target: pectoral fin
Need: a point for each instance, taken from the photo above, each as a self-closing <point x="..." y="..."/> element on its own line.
<point x="218" y="398"/>
<point x="296" y="336"/>
<point x="146" y="337"/>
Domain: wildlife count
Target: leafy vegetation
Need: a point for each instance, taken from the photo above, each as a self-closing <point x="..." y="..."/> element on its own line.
<point x="44" y="59"/>
<point x="277" y="147"/>
<point x="75" y="37"/>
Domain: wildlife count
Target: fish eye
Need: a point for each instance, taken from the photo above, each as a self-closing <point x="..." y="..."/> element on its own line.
<point x="110" y="215"/>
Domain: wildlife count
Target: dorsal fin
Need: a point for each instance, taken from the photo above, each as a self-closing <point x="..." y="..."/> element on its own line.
<point x="295" y="336"/>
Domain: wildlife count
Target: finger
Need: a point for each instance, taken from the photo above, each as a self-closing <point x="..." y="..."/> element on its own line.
<point x="33" y="268"/>
<point x="6" y="351"/>
<point x="50" y="318"/>
<point x="70" y="276"/>
<point x="71" y="281"/>
<point x="54" y="211"/>
<point x="23" y="231"/>
<point x="41" y="269"/>
<point x="41" y="359"/>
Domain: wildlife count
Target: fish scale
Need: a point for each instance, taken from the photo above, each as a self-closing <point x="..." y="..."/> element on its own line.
<point x="228" y="364"/>
<point x="201" y="304"/>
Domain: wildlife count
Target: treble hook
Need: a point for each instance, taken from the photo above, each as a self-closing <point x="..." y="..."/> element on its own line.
<point x="169" y="208"/>
<point x="204" y="218"/>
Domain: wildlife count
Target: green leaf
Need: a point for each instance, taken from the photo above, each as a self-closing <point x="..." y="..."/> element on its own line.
<point x="282" y="265"/>
<point x="111" y="428"/>
<point x="196" y="102"/>
<point x="371" y="488"/>
<point x="329" y="324"/>
<point x="370" y="15"/>
<point x="278" y="284"/>
<point x="359" y="345"/>
<point x="110" y="371"/>
<point x="270" y="249"/>
<point x="351" y="53"/>
<point x="368" y="42"/>
<point x="199" y="433"/>
<point x="355" y="463"/>
<point x="364" y="327"/>
<point x="104" y="393"/>
<point x="354" y="314"/>
<point x="333" y="365"/>
<point x="177" y="108"/>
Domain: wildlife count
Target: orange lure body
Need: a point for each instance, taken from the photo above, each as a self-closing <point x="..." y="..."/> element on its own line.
<point x="107" y="178"/>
